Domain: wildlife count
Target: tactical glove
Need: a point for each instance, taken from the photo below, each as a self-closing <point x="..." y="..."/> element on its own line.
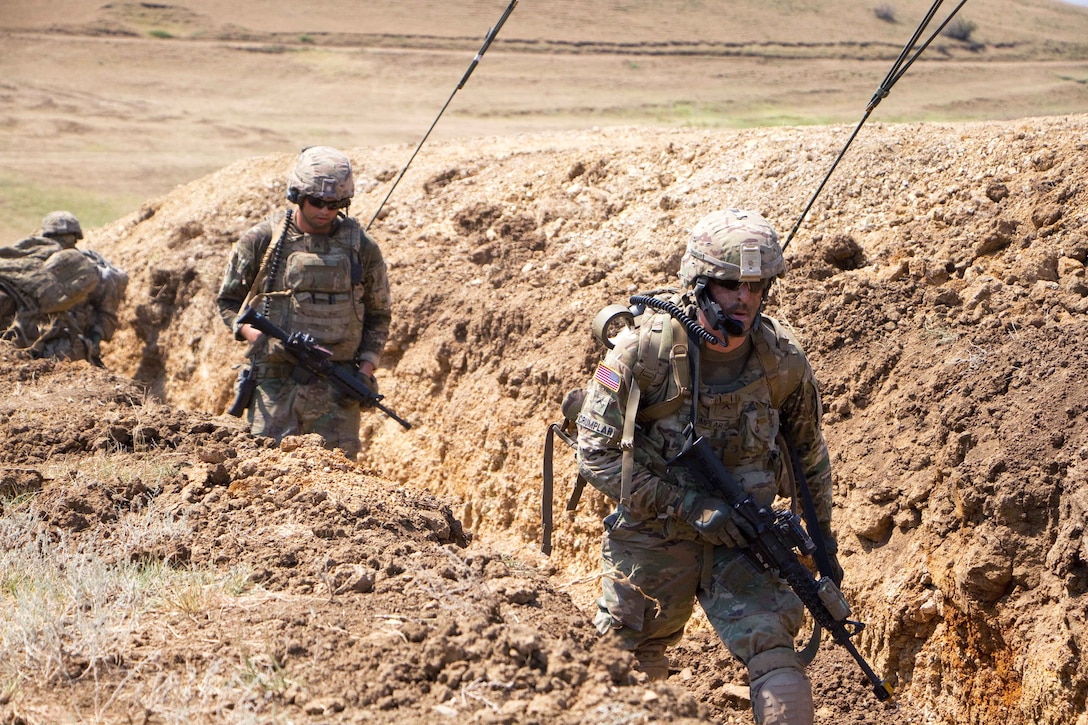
<point x="835" y="569"/>
<point x="714" y="519"/>
<point x="369" y="381"/>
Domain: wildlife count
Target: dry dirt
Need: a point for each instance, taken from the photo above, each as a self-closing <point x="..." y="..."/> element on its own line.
<point x="98" y="114"/>
<point x="938" y="285"/>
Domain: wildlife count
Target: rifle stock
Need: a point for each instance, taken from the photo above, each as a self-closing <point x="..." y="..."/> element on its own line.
<point x="317" y="360"/>
<point x="777" y="535"/>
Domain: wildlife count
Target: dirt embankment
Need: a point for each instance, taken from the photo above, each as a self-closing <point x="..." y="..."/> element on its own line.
<point x="938" y="285"/>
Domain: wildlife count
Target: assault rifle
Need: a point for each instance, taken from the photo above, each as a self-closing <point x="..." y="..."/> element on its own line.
<point x="778" y="533"/>
<point x="316" y="360"/>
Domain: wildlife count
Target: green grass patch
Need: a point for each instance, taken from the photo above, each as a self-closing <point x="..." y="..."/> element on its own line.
<point x="23" y="205"/>
<point x="713" y="115"/>
<point x="164" y="34"/>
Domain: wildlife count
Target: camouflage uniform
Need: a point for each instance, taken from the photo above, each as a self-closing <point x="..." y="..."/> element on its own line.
<point x="333" y="287"/>
<point x="62" y="301"/>
<point x="77" y="333"/>
<point x="655" y="563"/>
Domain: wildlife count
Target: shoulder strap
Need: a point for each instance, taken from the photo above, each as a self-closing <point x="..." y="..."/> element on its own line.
<point x="266" y="274"/>
<point x="671" y="350"/>
<point x="567" y="432"/>
<point x="774" y="344"/>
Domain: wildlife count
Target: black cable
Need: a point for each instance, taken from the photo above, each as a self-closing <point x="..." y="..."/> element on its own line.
<point x="274" y="266"/>
<point x="674" y="310"/>
<point x="491" y="33"/>
<point x="897" y="70"/>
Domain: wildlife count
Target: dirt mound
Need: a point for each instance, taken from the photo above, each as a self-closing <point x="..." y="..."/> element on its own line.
<point x="354" y="598"/>
<point x="938" y="285"/>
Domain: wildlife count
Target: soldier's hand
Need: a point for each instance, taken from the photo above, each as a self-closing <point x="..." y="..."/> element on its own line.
<point x="836" y="572"/>
<point x="717" y="522"/>
<point x="250" y="333"/>
<point x="369" y="381"/>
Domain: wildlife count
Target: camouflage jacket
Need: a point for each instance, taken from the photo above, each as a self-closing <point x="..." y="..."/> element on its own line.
<point x="334" y="287"/>
<point x="99" y="317"/>
<point x="741" y="419"/>
<point x="79" y="296"/>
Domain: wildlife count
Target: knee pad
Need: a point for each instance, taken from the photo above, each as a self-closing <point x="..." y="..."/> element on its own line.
<point x="782" y="697"/>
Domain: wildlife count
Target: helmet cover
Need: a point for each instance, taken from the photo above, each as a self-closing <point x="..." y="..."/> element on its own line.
<point x="61" y="222"/>
<point x="321" y="173"/>
<point x="732" y="244"/>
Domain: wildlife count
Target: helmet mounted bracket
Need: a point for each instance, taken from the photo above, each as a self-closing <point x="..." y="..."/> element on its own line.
<point x="750" y="262"/>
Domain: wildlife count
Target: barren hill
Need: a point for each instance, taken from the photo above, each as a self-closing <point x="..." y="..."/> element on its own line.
<point x="938" y="285"/>
<point x="107" y="104"/>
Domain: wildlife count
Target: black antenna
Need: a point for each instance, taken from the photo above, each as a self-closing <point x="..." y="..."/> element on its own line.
<point x="896" y="72"/>
<point x="491" y="33"/>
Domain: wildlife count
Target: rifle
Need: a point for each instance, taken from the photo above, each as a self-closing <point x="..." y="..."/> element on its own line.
<point x="778" y="533"/>
<point x="317" y="360"/>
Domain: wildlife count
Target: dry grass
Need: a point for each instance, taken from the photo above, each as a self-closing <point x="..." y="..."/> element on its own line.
<point x="100" y="123"/>
<point x="70" y="608"/>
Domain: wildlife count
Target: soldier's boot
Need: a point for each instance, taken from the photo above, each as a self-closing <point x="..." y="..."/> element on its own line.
<point x="782" y="697"/>
<point x="653" y="663"/>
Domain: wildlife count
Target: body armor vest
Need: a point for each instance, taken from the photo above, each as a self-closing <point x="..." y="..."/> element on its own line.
<point x="318" y="288"/>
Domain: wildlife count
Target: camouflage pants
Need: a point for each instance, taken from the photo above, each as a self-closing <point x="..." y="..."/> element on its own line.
<point x="282" y="407"/>
<point x="65" y="346"/>
<point x="659" y="578"/>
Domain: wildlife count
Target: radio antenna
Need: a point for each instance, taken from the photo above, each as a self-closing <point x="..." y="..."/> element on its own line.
<point x="491" y="33"/>
<point x="897" y="71"/>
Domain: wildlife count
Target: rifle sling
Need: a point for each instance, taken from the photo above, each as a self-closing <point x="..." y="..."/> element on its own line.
<point x="808" y="508"/>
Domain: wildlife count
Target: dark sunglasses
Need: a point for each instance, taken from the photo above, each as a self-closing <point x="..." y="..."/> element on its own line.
<point x="322" y="204"/>
<point x="754" y="286"/>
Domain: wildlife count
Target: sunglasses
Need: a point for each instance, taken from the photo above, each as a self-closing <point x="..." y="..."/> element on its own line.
<point x="754" y="286"/>
<point x="336" y="204"/>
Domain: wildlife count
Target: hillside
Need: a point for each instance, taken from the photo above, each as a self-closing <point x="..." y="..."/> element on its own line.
<point x="938" y="286"/>
<point x="109" y="104"/>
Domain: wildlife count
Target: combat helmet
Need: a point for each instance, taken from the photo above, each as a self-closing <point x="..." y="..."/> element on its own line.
<point x="58" y="223"/>
<point x="322" y="173"/>
<point x="732" y="244"/>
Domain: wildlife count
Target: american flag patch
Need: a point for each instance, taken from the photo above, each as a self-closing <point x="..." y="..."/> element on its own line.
<point x="607" y="377"/>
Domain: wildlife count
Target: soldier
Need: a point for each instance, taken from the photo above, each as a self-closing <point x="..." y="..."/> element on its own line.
<point x="60" y="301"/>
<point x="669" y="542"/>
<point x="310" y="269"/>
<point x="63" y="228"/>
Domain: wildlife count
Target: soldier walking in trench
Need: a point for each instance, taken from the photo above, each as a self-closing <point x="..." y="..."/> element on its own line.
<point x="310" y="269"/>
<point x="669" y="542"/>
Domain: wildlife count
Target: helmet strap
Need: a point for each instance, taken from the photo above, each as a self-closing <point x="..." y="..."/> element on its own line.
<point x="762" y="304"/>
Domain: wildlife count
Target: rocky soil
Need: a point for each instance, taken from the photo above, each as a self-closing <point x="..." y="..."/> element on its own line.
<point x="938" y="285"/>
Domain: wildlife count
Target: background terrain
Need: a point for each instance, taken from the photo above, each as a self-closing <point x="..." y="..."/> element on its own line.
<point x="105" y="105"/>
<point x="162" y="565"/>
